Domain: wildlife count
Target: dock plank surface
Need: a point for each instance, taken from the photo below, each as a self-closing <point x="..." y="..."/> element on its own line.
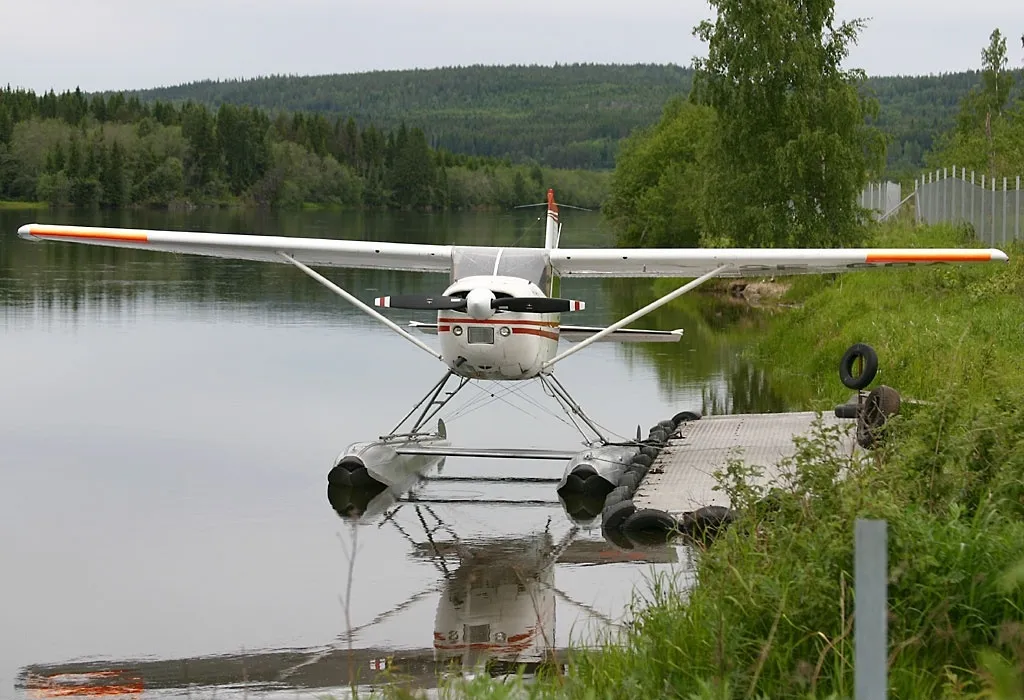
<point x="689" y="461"/>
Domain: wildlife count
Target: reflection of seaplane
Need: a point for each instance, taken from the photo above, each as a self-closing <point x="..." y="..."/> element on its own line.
<point x="496" y="614"/>
<point x="497" y="320"/>
<point x="496" y="611"/>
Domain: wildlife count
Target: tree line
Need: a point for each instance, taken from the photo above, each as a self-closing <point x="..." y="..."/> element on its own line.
<point x="116" y="150"/>
<point x="988" y="136"/>
<point x="776" y="139"/>
<point x="572" y="115"/>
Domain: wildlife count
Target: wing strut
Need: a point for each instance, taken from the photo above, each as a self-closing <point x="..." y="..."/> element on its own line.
<point x="692" y="284"/>
<point x="360" y="305"/>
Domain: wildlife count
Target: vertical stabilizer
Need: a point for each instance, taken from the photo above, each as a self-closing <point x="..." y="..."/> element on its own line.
<point x="552" y="228"/>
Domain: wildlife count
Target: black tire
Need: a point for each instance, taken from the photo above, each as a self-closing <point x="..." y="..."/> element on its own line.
<point x="650" y="520"/>
<point x="868" y="370"/>
<point x="617" y="495"/>
<point x="705" y="523"/>
<point x="658" y="436"/>
<point x="614" y="515"/>
<point x="638" y="469"/>
<point x="685" y="416"/>
<point x="596" y="487"/>
<point x="616" y="538"/>
<point x="630" y="480"/>
<point x="882" y="402"/>
<point x="643" y="459"/>
<point x="846" y="410"/>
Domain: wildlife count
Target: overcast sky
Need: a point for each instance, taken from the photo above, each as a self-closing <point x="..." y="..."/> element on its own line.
<point x="123" y="44"/>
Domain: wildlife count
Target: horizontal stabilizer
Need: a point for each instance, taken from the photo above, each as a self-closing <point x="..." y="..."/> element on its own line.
<point x="575" y="334"/>
<point x="486" y="452"/>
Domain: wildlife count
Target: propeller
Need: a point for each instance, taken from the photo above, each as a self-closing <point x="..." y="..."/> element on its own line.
<point x="421" y="302"/>
<point x="538" y="305"/>
<point x="480" y="303"/>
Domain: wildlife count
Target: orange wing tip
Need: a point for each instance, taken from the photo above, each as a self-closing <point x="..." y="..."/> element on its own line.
<point x="930" y="257"/>
<point x="42" y="232"/>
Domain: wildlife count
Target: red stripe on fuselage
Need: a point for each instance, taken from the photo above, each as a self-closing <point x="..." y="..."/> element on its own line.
<point x="552" y="335"/>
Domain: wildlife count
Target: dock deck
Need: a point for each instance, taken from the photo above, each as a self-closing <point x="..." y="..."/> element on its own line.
<point x="682" y="478"/>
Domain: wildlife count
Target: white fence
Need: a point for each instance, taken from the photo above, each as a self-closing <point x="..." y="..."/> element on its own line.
<point x="991" y="206"/>
<point x="881" y="197"/>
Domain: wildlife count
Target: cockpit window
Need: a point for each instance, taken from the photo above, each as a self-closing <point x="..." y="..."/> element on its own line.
<point x="526" y="263"/>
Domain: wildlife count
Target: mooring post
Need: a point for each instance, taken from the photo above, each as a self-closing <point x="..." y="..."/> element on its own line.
<point x="870" y="578"/>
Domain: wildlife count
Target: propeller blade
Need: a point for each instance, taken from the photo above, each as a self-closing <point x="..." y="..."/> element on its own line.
<point x="421" y="302"/>
<point x="539" y="305"/>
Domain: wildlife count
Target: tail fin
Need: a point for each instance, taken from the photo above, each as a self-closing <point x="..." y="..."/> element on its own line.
<point x="552" y="229"/>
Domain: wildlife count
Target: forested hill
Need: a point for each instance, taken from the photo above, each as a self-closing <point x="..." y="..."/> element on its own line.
<point x="569" y="116"/>
<point x="562" y="116"/>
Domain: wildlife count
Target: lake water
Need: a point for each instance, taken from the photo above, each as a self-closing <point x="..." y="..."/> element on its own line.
<point x="167" y="425"/>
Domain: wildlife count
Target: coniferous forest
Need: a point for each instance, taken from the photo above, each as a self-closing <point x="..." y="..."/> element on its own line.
<point x="449" y="138"/>
<point x="116" y="150"/>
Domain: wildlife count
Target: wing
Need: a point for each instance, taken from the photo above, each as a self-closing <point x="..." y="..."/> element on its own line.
<point x="311" y="251"/>
<point x="693" y="262"/>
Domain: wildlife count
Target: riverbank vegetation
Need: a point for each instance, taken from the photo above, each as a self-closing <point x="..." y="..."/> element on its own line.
<point x="116" y="151"/>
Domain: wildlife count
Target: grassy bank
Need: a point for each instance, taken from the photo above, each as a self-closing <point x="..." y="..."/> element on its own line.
<point x="9" y="205"/>
<point x="772" y="616"/>
<point x="950" y="331"/>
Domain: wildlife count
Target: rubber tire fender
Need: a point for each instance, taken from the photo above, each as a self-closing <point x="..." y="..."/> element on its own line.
<point x="649" y="451"/>
<point x="650" y="519"/>
<point x="643" y="459"/>
<point x="614" y="515"/>
<point x="630" y="480"/>
<point x="870" y="369"/>
<point x="617" y="495"/>
<point x="685" y="416"/>
<point x="638" y="469"/>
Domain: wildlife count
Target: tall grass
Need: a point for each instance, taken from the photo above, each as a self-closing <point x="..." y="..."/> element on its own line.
<point x="949" y="331"/>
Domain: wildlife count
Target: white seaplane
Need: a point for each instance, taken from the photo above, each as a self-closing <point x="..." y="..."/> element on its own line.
<point x="497" y="319"/>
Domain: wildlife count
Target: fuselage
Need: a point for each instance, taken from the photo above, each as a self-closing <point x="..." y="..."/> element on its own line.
<point x="501" y="345"/>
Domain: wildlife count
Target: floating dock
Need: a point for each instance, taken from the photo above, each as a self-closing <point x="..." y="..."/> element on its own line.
<point x="681" y="478"/>
<point x="670" y="486"/>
